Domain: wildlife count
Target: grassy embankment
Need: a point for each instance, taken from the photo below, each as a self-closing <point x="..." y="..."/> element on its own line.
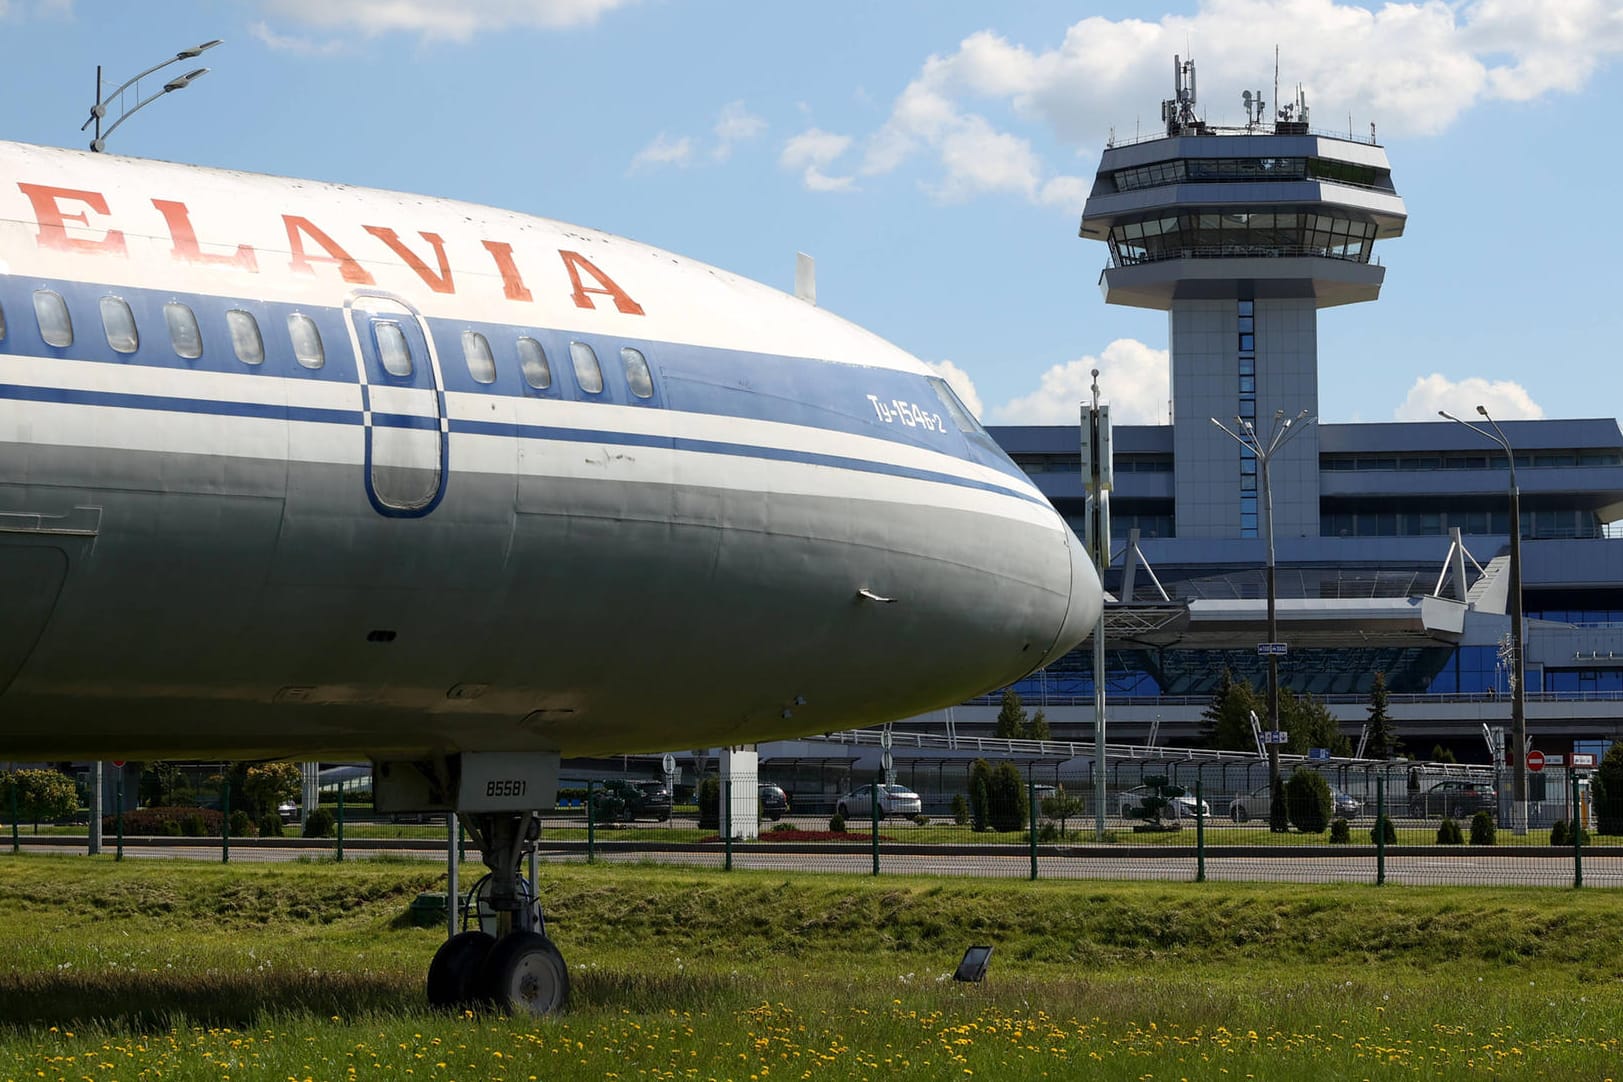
<point x="194" y="970"/>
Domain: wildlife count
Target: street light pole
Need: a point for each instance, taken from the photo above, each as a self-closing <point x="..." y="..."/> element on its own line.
<point x="181" y="82"/>
<point x="1518" y="689"/>
<point x="1264" y="451"/>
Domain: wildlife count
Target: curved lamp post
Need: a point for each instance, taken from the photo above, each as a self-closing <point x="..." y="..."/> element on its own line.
<point x="99" y="110"/>
<point x="1264" y="450"/>
<point x="1518" y="690"/>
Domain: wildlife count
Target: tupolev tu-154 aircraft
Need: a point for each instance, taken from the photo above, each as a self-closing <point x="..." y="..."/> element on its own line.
<point x="298" y="469"/>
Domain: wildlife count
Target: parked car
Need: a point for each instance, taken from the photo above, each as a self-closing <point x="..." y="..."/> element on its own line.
<point x="1181" y="807"/>
<point x="897" y="800"/>
<point x="774" y="803"/>
<point x="1454" y="799"/>
<point x="288" y="811"/>
<point x="1256" y="804"/>
<point x="631" y="800"/>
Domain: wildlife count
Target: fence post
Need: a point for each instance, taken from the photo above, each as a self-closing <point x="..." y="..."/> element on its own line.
<point x="118" y="798"/>
<point x="591" y="822"/>
<point x="1577" y="835"/>
<point x="727" y="817"/>
<point x="873" y="814"/>
<point x="1380" y="829"/>
<point x="225" y="819"/>
<point x="1200" y="834"/>
<point x="338" y="855"/>
<point x="1031" y="806"/>
<point x="16" y="840"/>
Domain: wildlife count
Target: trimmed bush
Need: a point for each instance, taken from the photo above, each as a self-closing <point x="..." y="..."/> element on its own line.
<point x="1560" y="833"/>
<point x="1007" y="812"/>
<point x="960" y="810"/>
<point x="921" y="819"/>
<point x="242" y="825"/>
<point x="1048" y="833"/>
<point x="1482" y="830"/>
<point x="166" y="822"/>
<point x="1308" y="801"/>
<point x="1608" y="792"/>
<point x="836" y="823"/>
<point x="1340" y="832"/>
<point x="1448" y="833"/>
<point x="709" y="801"/>
<point x="980" y="795"/>
<point x="270" y="826"/>
<point x="320" y="823"/>
<point x="1383" y="828"/>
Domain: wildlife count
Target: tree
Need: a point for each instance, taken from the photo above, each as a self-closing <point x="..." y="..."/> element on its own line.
<point x="163" y="785"/>
<point x="1226" y="721"/>
<point x="1011" y="716"/>
<point x="1154" y="802"/>
<point x="1440" y="754"/>
<point x="980" y="795"/>
<point x="40" y="795"/>
<point x="1038" y="728"/>
<point x="1062" y="806"/>
<point x="1308" y="800"/>
<point x="1608" y="792"/>
<point x="1310" y="724"/>
<point x="267" y="785"/>
<point x="1007" y="793"/>
<point x="1383" y="740"/>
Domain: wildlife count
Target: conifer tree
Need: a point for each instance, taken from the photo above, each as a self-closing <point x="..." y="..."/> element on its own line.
<point x="1383" y="740"/>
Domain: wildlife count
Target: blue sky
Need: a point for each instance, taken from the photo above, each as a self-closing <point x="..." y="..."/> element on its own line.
<point x="933" y="156"/>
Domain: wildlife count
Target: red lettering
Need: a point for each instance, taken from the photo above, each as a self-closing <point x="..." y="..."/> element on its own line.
<point x="512" y="283"/>
<point x="186" y="248"/>
<point x="298" y="228"/>
<point x="52" y="219"/>
<point x="605" y="285"/>
<point x="439" y="283"/>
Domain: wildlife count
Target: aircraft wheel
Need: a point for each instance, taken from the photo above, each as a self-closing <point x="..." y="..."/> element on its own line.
<point x="454" y="972"/>
<point x="525" y="974"/>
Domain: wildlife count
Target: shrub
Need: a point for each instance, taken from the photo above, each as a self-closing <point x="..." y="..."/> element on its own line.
<point x="1008" y="792"/>
<point x="1278" y="809"/>
<point x="960" y="810"/>
<point x="1383" y="829"/>
<point x="1340" y="832"/>
<point x="1308" y="801"/>
<point x="194" y="825"/>
<point x="709" y="801"/>
<point x="921" y="819"/>
<point x="1608" y="792"/>
<point x="1482" y="830"/>
<point x="1048" y="832"/>
<point x="320" y="823"/>
<point x="836" y="823"/>
<point x="242" y="825"/>
<point x="1560" y="833"/>
<point x="270" y="826"/>
<point x="1448" y="833"/>
<point x="783" y="828"/>
<point x="167" y="822"/>
<point x="980" y="795"/>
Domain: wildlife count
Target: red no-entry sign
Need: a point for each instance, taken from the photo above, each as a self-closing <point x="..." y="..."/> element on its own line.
<point x="1535" y="761"/>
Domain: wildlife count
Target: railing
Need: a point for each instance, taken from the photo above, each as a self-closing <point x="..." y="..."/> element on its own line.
<point x="1053" y="699"/>
<point x="1219" y="130"/>
<point x="1232" y="251"/>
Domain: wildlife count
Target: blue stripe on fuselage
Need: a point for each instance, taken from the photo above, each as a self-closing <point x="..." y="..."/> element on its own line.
<point x="694" y="379"/>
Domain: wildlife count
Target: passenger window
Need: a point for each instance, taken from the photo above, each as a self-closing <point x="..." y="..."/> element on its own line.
<point x="55" y="325"/>
<point x="118" y="323"/>
<point x="532" y="360"/>
<point x="587" y="371"/>
<point x="393" y="349"/>
<point x="245" y="337"/>
<point x="476" y="349"/>
<point x="637" y="374"/>
<point x="184" y="333"/>
<point x="306" y="337"/>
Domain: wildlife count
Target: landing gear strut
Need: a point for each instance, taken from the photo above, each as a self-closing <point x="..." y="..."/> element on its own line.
<point x="517" y="969"/>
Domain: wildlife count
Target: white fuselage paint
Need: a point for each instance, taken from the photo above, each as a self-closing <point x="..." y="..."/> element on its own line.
<point x="205" y="556"/>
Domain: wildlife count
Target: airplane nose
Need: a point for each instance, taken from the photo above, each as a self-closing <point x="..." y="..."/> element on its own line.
<point x="1087" y="598"/>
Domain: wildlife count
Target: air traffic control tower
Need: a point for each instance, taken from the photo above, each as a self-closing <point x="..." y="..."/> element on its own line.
<point x="1241" y="235"/>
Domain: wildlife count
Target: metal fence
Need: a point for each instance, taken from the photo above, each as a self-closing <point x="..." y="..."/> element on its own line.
<point x="1167" y="821"/>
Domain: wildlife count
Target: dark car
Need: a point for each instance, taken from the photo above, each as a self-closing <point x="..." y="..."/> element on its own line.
<point x="774" y="803"/>
<point x="1454" y="799"/>
<point x="629" y="800"/>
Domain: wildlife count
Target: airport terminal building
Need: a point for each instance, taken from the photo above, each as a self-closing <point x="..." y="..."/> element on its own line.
<point x="1391" y="539"/>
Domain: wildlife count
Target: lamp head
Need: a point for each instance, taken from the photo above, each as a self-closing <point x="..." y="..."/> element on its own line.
<point x="1482" y="410"/>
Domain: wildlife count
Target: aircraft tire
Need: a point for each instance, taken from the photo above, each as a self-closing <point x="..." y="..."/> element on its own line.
<point x="453" y="974"/>
<point x="525" y="974"/>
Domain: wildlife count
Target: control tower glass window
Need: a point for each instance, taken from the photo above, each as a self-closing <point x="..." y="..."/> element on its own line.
<point x="1216" y="234"/>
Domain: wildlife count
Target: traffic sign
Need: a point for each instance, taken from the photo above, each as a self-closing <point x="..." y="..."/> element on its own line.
<point x="1554" y="758"/>
<point x="119" y="763"/>
<point x="1276" y="736"/>
<point x="1278" y="649"/>
<point x="1583" y="760"/>
<point x="1318" y="755"/>
<point x="1535" y="760"/>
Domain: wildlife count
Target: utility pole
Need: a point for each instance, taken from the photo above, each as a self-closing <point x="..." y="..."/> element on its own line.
<point x="1098" y="479"/>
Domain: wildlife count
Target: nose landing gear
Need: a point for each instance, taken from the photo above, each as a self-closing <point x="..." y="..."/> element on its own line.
<point x="508" y="963"/>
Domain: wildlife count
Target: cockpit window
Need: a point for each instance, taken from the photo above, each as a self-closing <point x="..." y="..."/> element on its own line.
<point x="957" y="410"/>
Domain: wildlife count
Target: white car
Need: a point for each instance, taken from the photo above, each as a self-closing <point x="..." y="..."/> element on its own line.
<point x="896" y="800"/>
<point x="1180" y="807"/>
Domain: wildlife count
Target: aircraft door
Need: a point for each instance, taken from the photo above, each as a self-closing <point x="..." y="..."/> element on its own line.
<point x="403" y="407"/>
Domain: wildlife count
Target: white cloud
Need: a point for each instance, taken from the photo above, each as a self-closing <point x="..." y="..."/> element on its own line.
<point x="812" y="152"/>
<point x="287" y="43"/>
<point x="1506" y="400"/>
<point x="458" y="21"/>
<point x="663" y="151"/>
<point x="1413" y="68"/>
<point x="1133" y="378"/>
<point x="961" y="384"/>
<point x="23" y="9"/>
<point x="736" y="124"/>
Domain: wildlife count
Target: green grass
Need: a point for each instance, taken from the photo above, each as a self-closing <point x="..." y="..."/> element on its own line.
<point x="185" y="970"/>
